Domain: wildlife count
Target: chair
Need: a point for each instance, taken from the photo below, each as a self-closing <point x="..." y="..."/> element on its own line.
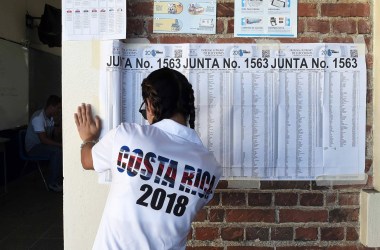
<point x="27" y="158"/>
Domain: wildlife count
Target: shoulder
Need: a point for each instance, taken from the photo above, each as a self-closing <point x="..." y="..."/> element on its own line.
<point x="38" y="114"/>
<point x="130" y="128"/>
<point x="38" y="117"/>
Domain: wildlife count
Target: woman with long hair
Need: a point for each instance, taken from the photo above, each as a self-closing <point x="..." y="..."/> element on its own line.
<point x="162" y="175"/>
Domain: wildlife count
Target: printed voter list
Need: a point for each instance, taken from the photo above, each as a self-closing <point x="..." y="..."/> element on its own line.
<point x="267" y="111"/>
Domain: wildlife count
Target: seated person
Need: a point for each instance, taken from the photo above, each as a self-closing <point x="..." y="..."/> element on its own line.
<point x="39" y="140"/>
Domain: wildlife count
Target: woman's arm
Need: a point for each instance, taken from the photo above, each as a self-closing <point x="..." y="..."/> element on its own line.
<point x="89" y="130"/>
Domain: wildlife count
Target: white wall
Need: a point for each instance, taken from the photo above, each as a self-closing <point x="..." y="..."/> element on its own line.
<point x="84" y="198"/>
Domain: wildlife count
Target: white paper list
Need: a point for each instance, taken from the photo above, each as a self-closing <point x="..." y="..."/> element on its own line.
<point x="275" y="112"/>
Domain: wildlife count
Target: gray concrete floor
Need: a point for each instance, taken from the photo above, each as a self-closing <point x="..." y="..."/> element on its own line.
<point x="30" y="216"/>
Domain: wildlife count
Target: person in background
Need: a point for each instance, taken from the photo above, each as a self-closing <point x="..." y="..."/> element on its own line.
<point x="162" y="175"/>
<point x="40" y="140"/>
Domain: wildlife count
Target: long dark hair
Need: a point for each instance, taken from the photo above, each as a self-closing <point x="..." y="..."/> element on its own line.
<point x="169" y="92"/>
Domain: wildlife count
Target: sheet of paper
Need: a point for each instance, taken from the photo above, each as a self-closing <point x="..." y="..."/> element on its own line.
<point x="265" y="18"/>
<point x="94" y="19"/>
<point x="184" y="16"/>
<point x="267" y="111"/>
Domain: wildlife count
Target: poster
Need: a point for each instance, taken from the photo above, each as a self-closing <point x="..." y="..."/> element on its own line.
<point x="94" y="19"/>
<point x="265" y="18"/>
<point x="266" y="111"/>
<point x="184" y="16"/>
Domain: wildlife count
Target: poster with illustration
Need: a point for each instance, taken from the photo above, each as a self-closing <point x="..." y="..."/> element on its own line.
<point x="184" y="17"/>
<point x="265" y="18"/>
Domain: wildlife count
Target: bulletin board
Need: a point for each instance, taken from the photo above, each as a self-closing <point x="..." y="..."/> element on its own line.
<point x="14" y="85"/>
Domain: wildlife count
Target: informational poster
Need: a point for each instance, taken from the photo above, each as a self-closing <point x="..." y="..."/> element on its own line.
<point x="265" y="18"/>
<point x="94" y="19"/>
<point x="266" y="111"/>
<point x="184" y="16"/>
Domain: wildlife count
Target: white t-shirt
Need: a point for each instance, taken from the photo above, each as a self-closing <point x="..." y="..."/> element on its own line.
<point x="162" y="176"/>
<point x="39" y="123"/>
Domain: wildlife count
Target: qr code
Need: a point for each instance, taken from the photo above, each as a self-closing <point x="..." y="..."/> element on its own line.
<point x="354" y="53"/>
<point x="178" y="53"/>
<point x="265" y="53"/>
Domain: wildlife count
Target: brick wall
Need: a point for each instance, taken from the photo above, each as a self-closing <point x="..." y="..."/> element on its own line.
<point x="280" y="214"/>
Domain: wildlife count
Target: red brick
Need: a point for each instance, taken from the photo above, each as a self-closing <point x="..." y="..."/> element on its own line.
<point x="233" y="199"/>
<point x="182" y="39"/>
<point x="301" y="40"/>
<point x="233" y="233"/>
<point x="368" y="42"/>
<point x="215" y="200"/>
<point x="230" y="26"/>
<point x="250" y="215"/>
<point x="285" y="184"/>
<point x="344" y="215"/>
<point x="135" y="26"/>
<point x="368" y="128"/>
<point x="139" y="9"/>
<point x="345" y="9"/>
<point x="368" y="162"/>
<point x="286" y="199"/>
<point x="331" y="199"/>
<point x="338" y="40"/>
<point x="219" y="26"/>
<point x="314" y="186"/>
<point x="225" y="10"/>
<point x="321" y="26"/>
<point x="149" y="25"/>
<point x="344" y="26"/>
<point x="206" y="233"/>
<point x="223" y="184"/>
<point x="201" y="215"/>
<point x="369" y="62"/>
<point x="216" y="215"/>
<point x="190" y="234"/>
<point x="352" y="234"/>
<point x="358" y="187"/>
<point x="307" y="9"/>
<point x="282" y="233"/>
<point x="348" y="199"/>
<point x="311" y="199"/>
<point x="205" y="248"/>
<point x="300" y="26"/>
<point x="332" y="233"/>
<point x="235" y="40"/>
<point x="248" y="248"/>
<point x="369" y="184"/>
<point x="297" y="215"/>
<point x="364" y="26"/>
<point x="306" y="234"/>
<point x="369" y="100"/>
<point x="301" y="248"/>
<point x="354" y="247"/>
<point x="257" y="233"/>
<point x="259" y="199"/>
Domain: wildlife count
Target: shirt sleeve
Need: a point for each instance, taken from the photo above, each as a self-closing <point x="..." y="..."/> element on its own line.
<point x="102" y="152"/>
<point x="38" y="124"/>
